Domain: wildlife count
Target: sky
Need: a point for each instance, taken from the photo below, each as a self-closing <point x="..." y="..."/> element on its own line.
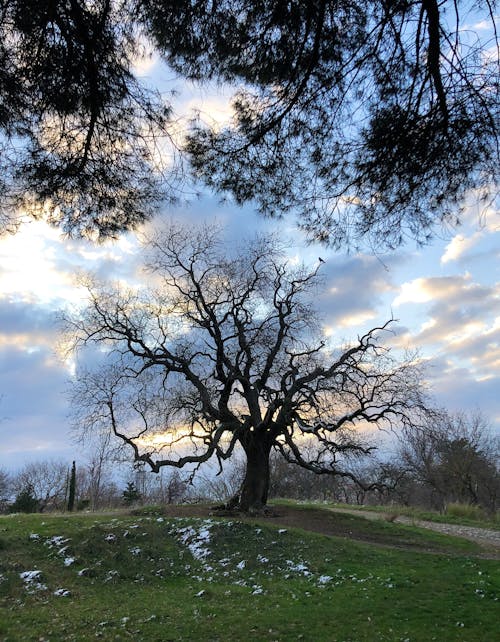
<point x="445" y="298"/>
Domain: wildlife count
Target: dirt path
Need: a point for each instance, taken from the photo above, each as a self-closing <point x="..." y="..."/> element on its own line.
<point x="480" y="535"/>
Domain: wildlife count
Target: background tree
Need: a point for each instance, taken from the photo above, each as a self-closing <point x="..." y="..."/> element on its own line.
<point x="72" y="487"/>
<point x="102" y="455"/>
<point x="362" y="116"/>
<point x="456" y="459"/>
<point x="47" y="481"/>
<point x="131" y="494"/>
<point x="5" y="489"/>
<point x="26" y="501"/>
<point x="226" y="349"/>
<point x="167" y="487"/>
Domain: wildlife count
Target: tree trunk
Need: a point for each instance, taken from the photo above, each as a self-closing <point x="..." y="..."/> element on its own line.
<point x="72" y="488"/>
<point x="255" y="486"/>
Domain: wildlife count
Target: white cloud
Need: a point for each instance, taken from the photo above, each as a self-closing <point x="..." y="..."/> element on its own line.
<point x="483" y="25"/>
<point x="28" y="262"/>
<point x="422" y="290"/>
<point x="353" y="320"/>
<point x="145" y="59"/>
<point x="458" y="246"/>
<point x="39" y="266"/>
<point x="461" y="326"/>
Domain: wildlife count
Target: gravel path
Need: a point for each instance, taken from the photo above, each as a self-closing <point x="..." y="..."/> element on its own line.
<point x="483" y="536"/>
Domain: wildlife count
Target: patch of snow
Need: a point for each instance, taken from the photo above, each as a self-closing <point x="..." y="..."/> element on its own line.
<point x="298" y="567"/>
<point x="60" y="592"/>
<point x="324" y="579"/>
<point x="69" y="560"/>
<point x="200" y="593"/>
<point x="32" y="580"/>
<point x="241" y="565"/>
<point x="135" y="551"/>
<point x="34" y="536"/>
<point x="110" y="537"/>
<point x="111" y="575"/>
<point x="196" y="540"/>
<point x="56" y="540"/>
<point x="282" y="530"/>
<point x="30" y="576"/>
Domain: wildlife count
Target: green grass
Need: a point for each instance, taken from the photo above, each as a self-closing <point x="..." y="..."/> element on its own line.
<point x="134" y="577"/>
<point x="457" y="513"/>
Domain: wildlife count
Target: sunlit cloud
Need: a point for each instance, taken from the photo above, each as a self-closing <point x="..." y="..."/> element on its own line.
<point x="422" y="290"/>
<point x="483" y="25"/>
<point x="462" y="323"/>
<point x="353" y="320"/>
<point x="39" y="266"/>
<point x="145" y="60"/>
<point x="458" y="246"/>
<point x="29" y="264"/>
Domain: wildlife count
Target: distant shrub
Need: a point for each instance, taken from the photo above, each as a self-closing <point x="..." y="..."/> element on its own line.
<point x="131" y="495"/>
<point x="83" y="504"/>
<point x="152" y="510"/>
<point x="25" y="501"/>
<point x="470" y="511"/>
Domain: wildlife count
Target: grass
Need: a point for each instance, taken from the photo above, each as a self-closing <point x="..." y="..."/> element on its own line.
<point x="459" y="514"/>
<point x="384" y="532"/>
<point x="148" y="577"/>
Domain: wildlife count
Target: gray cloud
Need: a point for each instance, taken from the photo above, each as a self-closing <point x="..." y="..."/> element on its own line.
<point x="33" y="406"/>
<point x="354" y="287"/>
<point x="25" y="318"/>
<point x="456" y="388"/>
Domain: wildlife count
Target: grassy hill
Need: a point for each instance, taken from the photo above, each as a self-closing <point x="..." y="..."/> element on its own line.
<point x="155" y="577"/>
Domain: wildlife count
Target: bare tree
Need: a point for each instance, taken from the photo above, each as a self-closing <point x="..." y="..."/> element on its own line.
<point x="101" y="454"/>
<point x="48" y="481"/>
<point x="165" y="487"/>
<point x="226" y="350"/>
<point x="456" y="458"/>
<point x="5" y="489"/>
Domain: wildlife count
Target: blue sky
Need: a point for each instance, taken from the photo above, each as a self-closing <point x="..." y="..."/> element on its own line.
<point x="446" y="298"/>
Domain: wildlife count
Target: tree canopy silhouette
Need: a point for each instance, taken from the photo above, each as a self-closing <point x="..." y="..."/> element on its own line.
<point x="366" y="117"/>
<point x="225" y="350"/>
<point x="79" y="129"/>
